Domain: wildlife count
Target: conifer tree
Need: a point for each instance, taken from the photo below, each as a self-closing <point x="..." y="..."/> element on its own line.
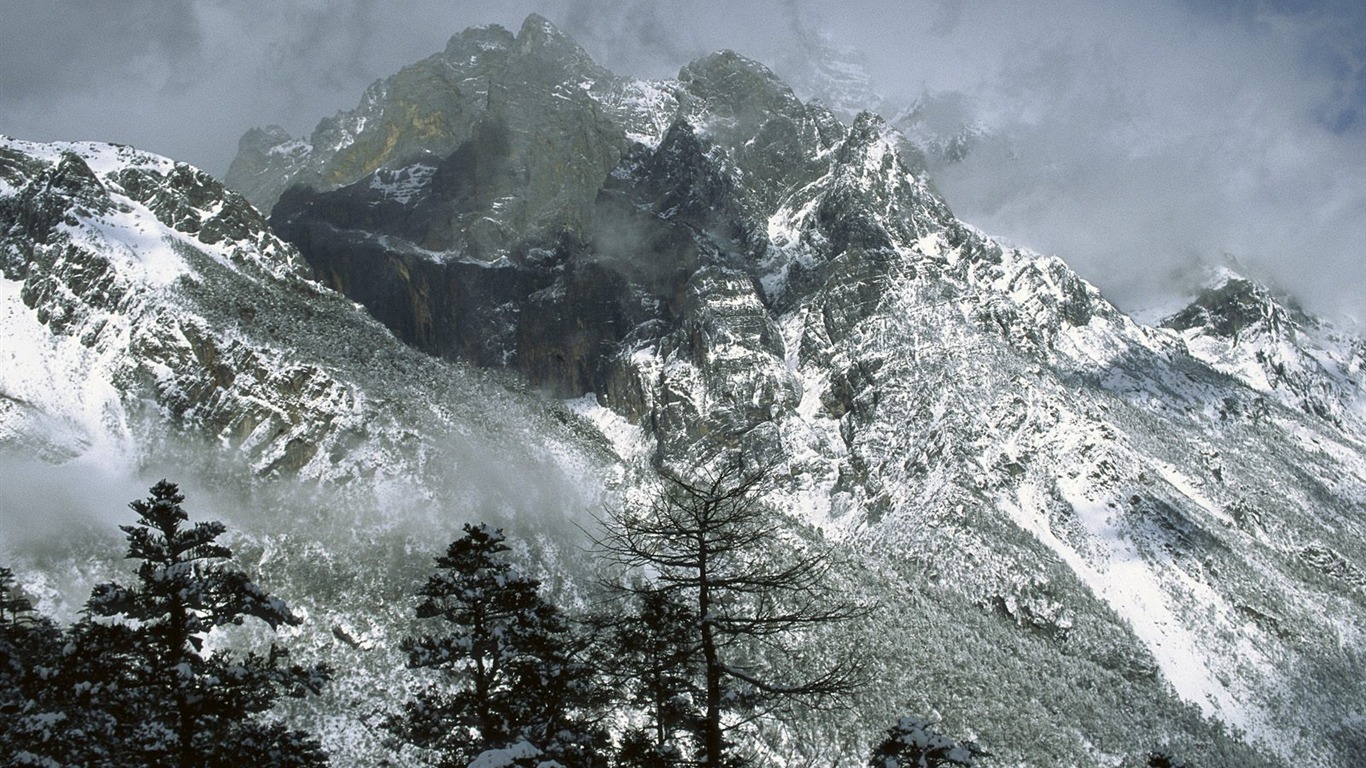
<point x="30" y="648"/>
<point x="655" y="662"/>
<point x="60" y="689"/>
<point x="184" y="706"/>
<point x="707" y="543"/>
<point x="518" y="690"/>
<point x="913" y="743"/>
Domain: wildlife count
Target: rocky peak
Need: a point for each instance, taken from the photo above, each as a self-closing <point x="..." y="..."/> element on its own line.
<point x="1234" y="309"/>
<point x="536" y="87"/>
<point x="1240" y="327"/>
<point x="267" y="159"/>
<point x="475" y="41"/>
<point x="50" y="191"/>
<point x="733" y="86"/>
<point x="541" y="40"/>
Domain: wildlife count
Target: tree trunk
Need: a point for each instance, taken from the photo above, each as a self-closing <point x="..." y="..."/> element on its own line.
<point x="712" y="742"/>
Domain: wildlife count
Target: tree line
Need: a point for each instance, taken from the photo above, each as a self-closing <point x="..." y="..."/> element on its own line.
<point x="666" y="672"/>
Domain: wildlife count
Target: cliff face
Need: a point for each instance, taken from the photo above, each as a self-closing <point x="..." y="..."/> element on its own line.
<point x="579" y="216"/>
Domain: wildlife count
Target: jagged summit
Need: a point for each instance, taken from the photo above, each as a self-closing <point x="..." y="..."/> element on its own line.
<point x="1236" y="307"/>
<point x="1243" y="328"/>
<point x="538" y="36"/>
<point x="431" y="108"/>
<point x="472" y="41"/>
<point x="738" y="87"/>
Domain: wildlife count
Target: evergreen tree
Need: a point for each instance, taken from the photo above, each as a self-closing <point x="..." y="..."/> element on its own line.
<point x="519" y="691"/>
<point x="183" y="706"/>
<point x="654" y="657"/>
<point x="913" y="743"/>
<point x="61" y="691"/>
<point x="30" y="649"/>
<point x="708" y="544"/>
<point x="1162" y="758"/>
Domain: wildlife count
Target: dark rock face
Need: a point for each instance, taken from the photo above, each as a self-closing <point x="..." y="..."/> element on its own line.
<point x="1236" y="307"/>
<point x="523" y="105"/>
<point x="529" y="232"/>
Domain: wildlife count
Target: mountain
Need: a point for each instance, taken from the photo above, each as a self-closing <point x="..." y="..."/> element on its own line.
<point x="153" y="326"/>
<point x="141" y="297"/>
<point x="1240" y="328"/>
<point x="1082" y="535"/>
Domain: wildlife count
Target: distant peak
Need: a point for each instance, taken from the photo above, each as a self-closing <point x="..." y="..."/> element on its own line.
<point x="538" y="31"/>
<point x="870" y="122"/>
<point x="1231" y="305"/>
<point x="542" y="42"/>
<point x="724" y="61"/>
<point x="536" y="24"/>
<point x="738" y="82"/>
<point x="477" y="39"/>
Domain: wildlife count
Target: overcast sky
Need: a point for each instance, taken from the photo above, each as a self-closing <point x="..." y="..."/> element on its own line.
<point x="1135" y="140"/>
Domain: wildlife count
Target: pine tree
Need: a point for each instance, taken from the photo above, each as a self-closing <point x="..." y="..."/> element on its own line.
<point x="654" y="656"/>
<point x="708" y="544"/>
<point x="30" y="646"/>
<point x="518" y="687"/>
<point x="59" y="689"/>
<point x="184" y="706"/>
<point x="913" y="743"/>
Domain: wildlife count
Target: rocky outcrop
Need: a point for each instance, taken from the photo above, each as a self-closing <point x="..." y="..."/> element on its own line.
<point x="514" y="244"/>
<point x="159" y="303"/>
<point x="1244" y="330"/>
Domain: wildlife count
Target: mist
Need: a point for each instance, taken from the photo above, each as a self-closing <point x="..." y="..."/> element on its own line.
<point x="305" y="539"/>
<point x="1136" y="142"/>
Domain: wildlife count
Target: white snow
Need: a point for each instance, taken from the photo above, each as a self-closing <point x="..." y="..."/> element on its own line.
<point x="649" y="107"/>
<point x="64" y="383"/>
<point x="628" y="440"/>
<point x="292" y="148"/>
<point x="403" y="184"/>
<point x="502" y="758"/>
<point x="1117" y="573"/>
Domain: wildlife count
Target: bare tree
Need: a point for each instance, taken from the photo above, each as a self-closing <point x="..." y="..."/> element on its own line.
<point x="712" y="545"/>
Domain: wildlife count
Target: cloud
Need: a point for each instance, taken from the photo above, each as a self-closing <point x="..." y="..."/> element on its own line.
<point x="1136" y="140"/>
<point x="54" y="47"/>
<point x="1130" y="139"/>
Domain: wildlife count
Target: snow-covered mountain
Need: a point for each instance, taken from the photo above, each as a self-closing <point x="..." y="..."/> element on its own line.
<point x="1084" y="535"/>
<point x="154" y="327"/>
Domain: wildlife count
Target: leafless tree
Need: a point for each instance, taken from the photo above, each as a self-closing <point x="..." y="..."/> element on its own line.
<point x="712" y="544"/>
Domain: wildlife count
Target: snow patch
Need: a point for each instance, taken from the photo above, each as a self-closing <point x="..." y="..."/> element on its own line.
<point x="628" y="440"/>
<point x="1118" y="574"/>
<point x="68" y="384"/>
<point x="403" y="184"/>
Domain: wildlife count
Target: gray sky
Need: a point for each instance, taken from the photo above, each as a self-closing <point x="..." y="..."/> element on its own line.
<point x="1133" y="139"/>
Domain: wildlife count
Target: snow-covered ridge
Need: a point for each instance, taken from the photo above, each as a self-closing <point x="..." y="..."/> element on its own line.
<point x="144" y="296"/>
<point x="1242" y="329"/>
<point x="151" y="208"/>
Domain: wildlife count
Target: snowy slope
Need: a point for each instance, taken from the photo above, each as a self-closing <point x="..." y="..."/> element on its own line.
<point x="151" y="326"/>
